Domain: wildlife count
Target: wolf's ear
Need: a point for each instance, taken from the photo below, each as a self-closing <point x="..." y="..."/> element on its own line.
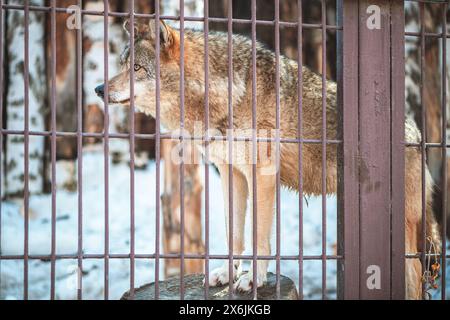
<point x="141" y="29"/>
<point x="166" y="34"/>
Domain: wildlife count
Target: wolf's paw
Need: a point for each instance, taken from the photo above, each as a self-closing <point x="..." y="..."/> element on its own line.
<point x="220" y="276"/>
<point x="245" y="282"/>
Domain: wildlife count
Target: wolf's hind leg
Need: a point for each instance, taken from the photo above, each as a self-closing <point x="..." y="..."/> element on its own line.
<point x="220" y="276"/>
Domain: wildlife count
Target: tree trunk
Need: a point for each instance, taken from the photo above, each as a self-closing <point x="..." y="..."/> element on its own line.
<point x="171" y="201"/>
<point x="93" y="64"/>
<point x="15" y="102"/>
<point x="192" y="185"/>
<point x="65" y="100"/>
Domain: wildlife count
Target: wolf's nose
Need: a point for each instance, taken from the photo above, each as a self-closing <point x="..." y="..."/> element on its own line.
<point x="100" y="91"/>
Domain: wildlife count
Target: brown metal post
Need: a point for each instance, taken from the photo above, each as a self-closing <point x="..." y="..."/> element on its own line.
<point x="381" y="118"/>
<point x="348" y="192"/>
<point x="375" y="162"/>
<point x="371" y="194"/>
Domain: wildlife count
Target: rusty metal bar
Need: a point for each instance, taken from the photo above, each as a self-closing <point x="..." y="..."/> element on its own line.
<point x="132" y="148"/>
<point x="182" y="119"/>
<point x="206" y="143"/>
<point x="428" y="145"/>
<point x="444" y="151"/>
<point x="172" y="256"/>
<point x="157" y="149"/>
<point x="168" y="17"/>
<point x="230" y="148"/>
<point x="106" y="146"/>
<point x="79" y="102"/>
<point x="53" y="148"/>
<point x="324" y="150"/>
<point x="254" y="154"/>
<point x="300" y="145"/>
<point x="2" y="63"/>
<point x="426" y="34"/>
<point x="170" y="137"/>
<point x="428" y="1"/>
<point x="277" y="148"/>
<point x="26" y="191"/>
<point x="423" y="149"/>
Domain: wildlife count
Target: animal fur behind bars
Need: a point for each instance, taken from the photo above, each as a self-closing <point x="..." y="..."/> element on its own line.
<point x="194" y="91"/>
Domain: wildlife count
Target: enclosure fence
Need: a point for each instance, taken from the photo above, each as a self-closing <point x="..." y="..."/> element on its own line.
<point x="370" y="72"/>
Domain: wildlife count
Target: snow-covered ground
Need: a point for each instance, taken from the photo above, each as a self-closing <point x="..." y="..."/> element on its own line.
<point x="11" y="272"/>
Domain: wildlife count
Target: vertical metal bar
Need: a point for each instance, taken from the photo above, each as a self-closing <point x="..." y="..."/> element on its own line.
<point x="444" y="150"/>
<point x="2" y="65"/>
<point x="206" y="142"/>
<point x="157" y="149"/>
<point x="324" y="150"/>
<point x="375" y="149"/>
<point x="278" y="146"/>
<point x="106" y="145"/>
<point x="182" y="118"/>
<point x="230" y="146"/>
<point x="398" y="150"/>
<point x="348" y="186"/>
<point x="300" y="145"/>
<point x="26" y="75"/>
<point x="132" y="148"/>
<point x="53" y="147"/>
<point x="424" y="137"/>
<point x="79" y="100"/>
<point x="254" y="155"/>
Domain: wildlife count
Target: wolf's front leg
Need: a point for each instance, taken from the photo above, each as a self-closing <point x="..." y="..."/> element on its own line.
<point x="265" y="182"/>
<point x="220" y="276"/>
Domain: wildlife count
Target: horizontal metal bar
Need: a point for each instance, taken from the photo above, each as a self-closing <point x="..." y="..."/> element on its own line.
<point x="426" y="34"/>
<point x="192" y="256"/>
<point x="175" y="18"/>
<point x="143" y="136"/>
<point x="428" y="1"/>
<point x="427" y="145"/>
<point x="428" y="255"/>
<point x="167" y="256"/>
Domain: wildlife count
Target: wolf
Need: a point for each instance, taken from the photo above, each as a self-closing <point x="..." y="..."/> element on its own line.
<point x="242" y="163"/>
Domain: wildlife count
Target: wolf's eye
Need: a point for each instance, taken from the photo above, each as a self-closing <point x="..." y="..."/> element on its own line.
<point x="137" y="67"/>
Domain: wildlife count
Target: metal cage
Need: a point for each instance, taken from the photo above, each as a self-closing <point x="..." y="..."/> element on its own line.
<point x="371" y="85"/>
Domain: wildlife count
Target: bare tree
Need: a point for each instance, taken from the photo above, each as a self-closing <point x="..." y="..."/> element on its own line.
<point x="93" y="69"/>
<point x="16" y="100"/>
<point x="171" y="201"/>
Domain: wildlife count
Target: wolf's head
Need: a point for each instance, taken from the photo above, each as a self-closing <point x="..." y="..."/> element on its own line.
<point x="144" y="66"/>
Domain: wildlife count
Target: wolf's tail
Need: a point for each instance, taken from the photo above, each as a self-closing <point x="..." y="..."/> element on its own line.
<point x="433" y="234"/>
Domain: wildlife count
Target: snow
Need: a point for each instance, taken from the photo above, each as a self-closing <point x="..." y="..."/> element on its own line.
<point x="12" y="234"/>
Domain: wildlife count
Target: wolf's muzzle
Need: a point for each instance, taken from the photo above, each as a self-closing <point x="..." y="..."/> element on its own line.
<point x="100" y="91"/>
